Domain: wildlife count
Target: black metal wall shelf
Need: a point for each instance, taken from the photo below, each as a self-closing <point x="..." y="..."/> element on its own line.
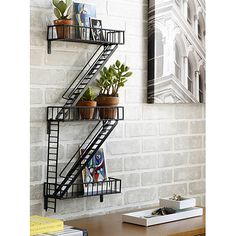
<point x="83" y="34"/>
<point x="67" y="183"/>
<point x="110" y="186"/>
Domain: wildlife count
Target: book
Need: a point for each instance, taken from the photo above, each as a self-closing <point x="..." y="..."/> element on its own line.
<point x="39" y="224"/>
<point x="68" y="231"/>
<point x="95" y="174"/>
<point x="82" y="13"/>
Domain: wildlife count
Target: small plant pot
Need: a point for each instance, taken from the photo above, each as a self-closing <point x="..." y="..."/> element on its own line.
<point x="107" y="113"/>
<point x="86" y="113"/>
<point x="63" y="31"/>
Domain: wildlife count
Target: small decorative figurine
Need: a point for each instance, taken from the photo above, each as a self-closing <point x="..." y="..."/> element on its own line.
<point x="176" y="197"/>
<point x="163" y="211"/>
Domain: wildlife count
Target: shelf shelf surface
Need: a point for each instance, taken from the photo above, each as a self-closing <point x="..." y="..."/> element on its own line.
<point x="79" y="190"/>
<point x="82" y="113"/>
<point x="83" y="34"/>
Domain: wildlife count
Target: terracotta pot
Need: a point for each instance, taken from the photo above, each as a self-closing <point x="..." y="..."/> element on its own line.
<point x="86" y="113"/>
<point x="107" y="113"/>
<point x="63" y="32"/>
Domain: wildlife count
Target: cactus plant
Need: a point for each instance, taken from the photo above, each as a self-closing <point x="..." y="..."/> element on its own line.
<point x="89" y="95"/>
<point x="62" y="9"/>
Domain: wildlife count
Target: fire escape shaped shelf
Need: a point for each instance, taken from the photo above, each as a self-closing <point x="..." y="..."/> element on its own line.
<point x="68" y="183"/>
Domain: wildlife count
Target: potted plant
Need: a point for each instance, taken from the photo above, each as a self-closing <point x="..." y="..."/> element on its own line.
<point x="87" y="100"/>
<point x="62" y="10"/>
<point x="109" y="83"/>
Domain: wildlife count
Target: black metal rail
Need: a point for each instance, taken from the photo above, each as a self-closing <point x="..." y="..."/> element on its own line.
<point x="87" y="189"/>
<point x="83" y="34"/>
<point x="78" y="113"/>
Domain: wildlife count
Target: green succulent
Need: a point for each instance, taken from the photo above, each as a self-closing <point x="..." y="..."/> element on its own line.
<point x="113" y="78"/>
<point x="89" y="95"/>
<point x="62" y="9"/>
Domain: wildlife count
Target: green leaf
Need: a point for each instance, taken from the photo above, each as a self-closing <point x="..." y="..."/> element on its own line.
<point x="62" y="7"/>
<point x="57" y="13"/>
<point x="122" y="68"/>
<point x="55" y="2"/>
<point x="118" y="63"/>
<point x="128" y="74"/>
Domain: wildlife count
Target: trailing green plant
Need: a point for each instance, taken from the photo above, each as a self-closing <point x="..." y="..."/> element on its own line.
<point x="62" y="9"/>
<point x="113" y="78"/>
<point x="89" y="95"/>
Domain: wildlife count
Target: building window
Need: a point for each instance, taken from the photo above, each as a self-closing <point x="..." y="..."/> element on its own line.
<point x="190" y="77"/>
<point x="189" y="15"/>
<point x="201" y="96"/>
<point x="199" y="31"/>
<point x="177" y="62"/>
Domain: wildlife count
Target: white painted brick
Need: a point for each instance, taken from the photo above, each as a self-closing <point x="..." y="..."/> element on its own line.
<point x="187" y="173"/>
<point x="79" y="131"/>
<point x="197" y="187"/>
<point x="140" y="195"/>
<point x="173" y="128"/>
<point x="187" y="142"/>
<point x="169" y="190"/>
<point x="54" y="96"/>
<point x="133" y="112"/>
<point x="39" y="19"/>
<point x="156" y="177"/>
<point x="108" y="201"/>
<point x="70" y="206"/>
<point x="136" y="61"/>
<point x="41" y="4"/>
<point x="135" y="44"/>
<point x="110" y="22"/>
<point x="36" y="96"/>
<point x="47" y="76"/>
<point x="197" y="157"/>
<point x="37" y="38"/>
<point x="197" y="127"/>
<point x="118" y="132"/>
<point x="37" y="153"/>
<point x="36" y="134"/>
<point x="203" y="172"/>
<point x="172" y="159"/>
<point x="188" y="111"/>
<point x="157" y="144"/>
<point x="123" y="147"/>
<point x="138" y="79"/>
<point x="132" y="29"/>
<point x="134" y="95"/>
<point x="140" y="162"/>
<point x="36" y="209"/>
<point x="36" y="57"/>
<point x="65" y="58"/>
<point x="125" y="9"/>
<point x="114" y="165"/>
<point x="140" y="129"/>
<point x="35" y="173"/>
<point x="157" y="112"/>
<point x="36" y="192"/>
<point x="130" y="180"/>
<point x="37" y="114"/>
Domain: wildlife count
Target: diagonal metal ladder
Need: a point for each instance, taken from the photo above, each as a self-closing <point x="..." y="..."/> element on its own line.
<point x="92" y="147"/>
<point x="77" y="88"/>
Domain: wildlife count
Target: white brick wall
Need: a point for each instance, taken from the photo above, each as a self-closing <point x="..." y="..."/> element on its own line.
<point x="157" y="151"/>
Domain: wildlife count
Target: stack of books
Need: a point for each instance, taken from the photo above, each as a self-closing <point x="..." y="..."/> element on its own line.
<point x="44" y="226"/>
